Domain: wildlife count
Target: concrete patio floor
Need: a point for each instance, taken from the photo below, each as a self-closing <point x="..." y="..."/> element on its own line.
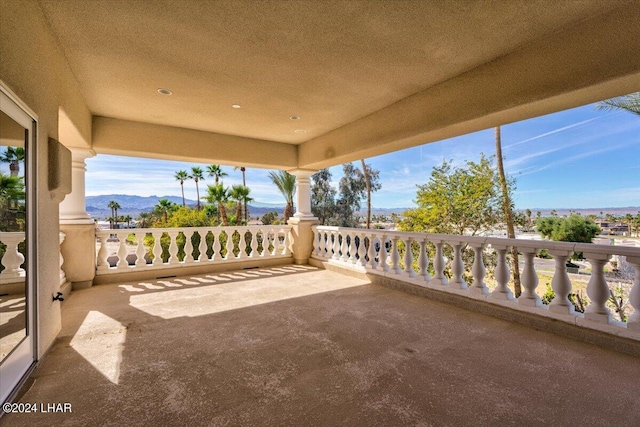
<point x="299" y="346"/>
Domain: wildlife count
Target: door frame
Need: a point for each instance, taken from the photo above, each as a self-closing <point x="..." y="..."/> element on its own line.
<point x="22" y="359"/>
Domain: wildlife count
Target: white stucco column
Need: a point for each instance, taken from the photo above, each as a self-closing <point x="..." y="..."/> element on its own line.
<point x="303" y="194"/>
<point x="73" y="209"/>
<point x="303" y="219"/>
<point x="79" y="247"/>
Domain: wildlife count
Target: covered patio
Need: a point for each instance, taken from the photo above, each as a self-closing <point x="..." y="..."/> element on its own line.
<point x="298" y="345"/>
<point x="262" y="336"/>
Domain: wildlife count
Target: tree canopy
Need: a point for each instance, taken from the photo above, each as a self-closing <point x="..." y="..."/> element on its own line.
<point x="457" y="200"/>
<point x="630" y="103"/>
<point x="574" y="228"/>
<point x="323" y="196"/>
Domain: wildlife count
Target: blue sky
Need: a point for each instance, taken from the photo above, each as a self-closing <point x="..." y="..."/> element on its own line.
<point x="578" y="158"/>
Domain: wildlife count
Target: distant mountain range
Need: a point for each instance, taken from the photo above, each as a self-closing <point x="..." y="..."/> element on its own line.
<point x="97" y="207"/>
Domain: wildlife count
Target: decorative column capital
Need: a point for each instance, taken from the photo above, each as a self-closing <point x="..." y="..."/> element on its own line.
<point x="302" y="173"/>
<point x="81" y="154"/>
<point x="73" y="208"/>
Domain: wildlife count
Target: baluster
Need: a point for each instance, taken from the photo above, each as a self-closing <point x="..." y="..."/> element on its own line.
<point x="478" y="270"/>
<point x="327" y="244"/>
<point x="268" y="236"/>
<point x="140" y="250"/>
<point x="321" y="243"/>
<point x="423" y="261"/>
<point x="276" y="242"/>
<point x="634" y="297"/>
<point x="336" y="245"/>
<point x="384" y="254"/>
<point x="242" y="243"/>
<point x="458" y="266"/>
<point x="202" y="247"/>
<point x="102" y="263"/>
<point x="173" y="246"/>
<point x="395" y="256"/>
<point x="502" y="274"/>
<point x="408" y="258"/>
<point x="12" y="259"/>
<point x="597" y="289"/>
<point x="157" y="248"/>
<point x="63" y="276"/>
<point x="352" y="247"/>
<point x="315" y="249"/>
<point x="561" y="283"/>
<point x="122" y="250"/>
<point x="344" y="248"/>
<point x="230" y="245"/>
<point x="529" y="297"/>
<point x="438" y="265"/>
<point x="285" y="242"/>
<point x="371" y="252"/>
<point x="254" y="243"/>
<point x="188" y="247"/>
<point x="362" y="250"/>
<point x="217" y="248"/>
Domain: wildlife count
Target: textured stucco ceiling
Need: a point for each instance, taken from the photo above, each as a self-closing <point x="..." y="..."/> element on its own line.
<point x="328" y="62"/>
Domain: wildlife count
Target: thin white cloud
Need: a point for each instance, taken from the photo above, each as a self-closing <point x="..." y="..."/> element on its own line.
<point x="571" y="159"/>
<point x="553" y="132"/>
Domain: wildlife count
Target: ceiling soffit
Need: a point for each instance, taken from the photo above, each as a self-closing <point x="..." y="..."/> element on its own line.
<point x="329" y="63"/>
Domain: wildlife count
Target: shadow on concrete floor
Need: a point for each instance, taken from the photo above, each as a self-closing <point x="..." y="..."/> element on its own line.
<point x="300" y="346"/>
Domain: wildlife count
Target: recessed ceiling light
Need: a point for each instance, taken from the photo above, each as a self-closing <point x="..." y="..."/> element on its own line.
<point x="164" y="91"/>
<point x="236" y="106"/>
<point x="300" y="131"/>
<point x="295" y="117"/>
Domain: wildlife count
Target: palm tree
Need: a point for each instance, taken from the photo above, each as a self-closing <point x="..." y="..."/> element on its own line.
<point x="197" y="175"/>
<point x="144" y="218"/>
<point x="182" y="176"/>
<point x="286" y="183"/>
<point x="13" y="156"/>
<point x="508" y="213"/>
<point x="11" y="192"/>
<point x="240" y="194"/>
<point x="128" y="219"/>
<point x="11" y="187"/>
<point x="630" y="103"/>
<point x="216" y="171"/>
<point x="628" y="219"/>
<point x="244" y="184"/>
<point x="367" y="184"/>
<point x="163" y="208"/>
<point x="218" y="194"/>
<point x="114" y="212"/>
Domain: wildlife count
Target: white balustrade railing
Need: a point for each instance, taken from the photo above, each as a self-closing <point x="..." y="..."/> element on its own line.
<point x="12" y="259"/>
<point x="385" y="253"/>
<point x="126" y="250"/>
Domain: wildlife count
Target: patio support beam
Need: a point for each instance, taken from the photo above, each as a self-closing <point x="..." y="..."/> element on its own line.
<point x="595" y="59"/>
<point x="147" y="140"/>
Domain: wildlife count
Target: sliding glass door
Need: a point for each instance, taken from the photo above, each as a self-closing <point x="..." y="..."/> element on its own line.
<point x="17" y="247"/>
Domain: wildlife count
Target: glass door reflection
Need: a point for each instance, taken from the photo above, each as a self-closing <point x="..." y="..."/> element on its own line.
<point x="13" y="285"/>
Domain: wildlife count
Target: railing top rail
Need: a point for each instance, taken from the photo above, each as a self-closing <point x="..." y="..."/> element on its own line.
<point x="208" y="228"/>
<point x="499" y="241"/>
